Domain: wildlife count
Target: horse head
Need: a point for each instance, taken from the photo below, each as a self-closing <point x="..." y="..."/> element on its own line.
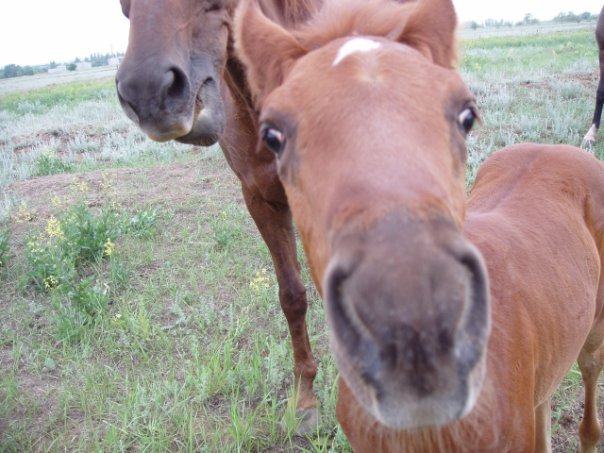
<point x="169" y="80"/>
<point x="367" y="120"/>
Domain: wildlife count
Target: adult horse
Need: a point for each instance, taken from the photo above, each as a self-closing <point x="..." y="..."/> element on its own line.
<point x="367" y="118"/>
<point x="590" y="137"/>
<point x="170" y="83"/>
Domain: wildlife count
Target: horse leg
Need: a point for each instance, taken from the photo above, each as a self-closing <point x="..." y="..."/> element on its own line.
<point x="543" y="427"/>
<point x="590" y="364"/>
<point x="274" y="222"/>
<point x="590" y="137"/>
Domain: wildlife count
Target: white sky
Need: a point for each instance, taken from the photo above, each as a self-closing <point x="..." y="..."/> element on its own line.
<point x="38" y="31"/>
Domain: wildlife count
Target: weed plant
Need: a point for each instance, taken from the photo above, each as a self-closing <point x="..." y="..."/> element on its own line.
<point x="49" y="164"/>
<point x="4" y="247"/>
<point x="67" y="260"/>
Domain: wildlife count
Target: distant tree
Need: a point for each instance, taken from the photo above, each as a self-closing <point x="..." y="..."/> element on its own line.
<point x="496" y="23"/>
<point x="11" y="70"/>
<point x="72" y="67"/>
<point x="529" y="19"/>
<point x="98" y="59"/>
<point x="567" y="17"/>
<point x="14" y="70"/>
<point x="588" y="16"/>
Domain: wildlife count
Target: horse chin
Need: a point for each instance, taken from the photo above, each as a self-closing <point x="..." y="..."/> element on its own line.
<point x="205" y="132"/>
<point x="202" y="126"/>
<point x="210" y="119"/>
<point x="405" y="411"/>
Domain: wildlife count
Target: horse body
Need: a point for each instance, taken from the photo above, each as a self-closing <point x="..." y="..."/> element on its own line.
<point x="368" y="128"/>
<point x="181" y="80"/>
<point x="590" y="136"/>
<point x="536" y="215"/>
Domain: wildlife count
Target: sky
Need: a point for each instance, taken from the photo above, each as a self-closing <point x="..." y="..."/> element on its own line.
<point x="39" y="31"/>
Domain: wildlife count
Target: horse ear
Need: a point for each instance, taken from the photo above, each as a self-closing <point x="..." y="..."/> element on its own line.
<point x="265" y="48"/>
<point x="431" y="28"/>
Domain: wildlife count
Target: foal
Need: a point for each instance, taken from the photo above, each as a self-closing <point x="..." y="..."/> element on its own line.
<point x="367" y="120"/>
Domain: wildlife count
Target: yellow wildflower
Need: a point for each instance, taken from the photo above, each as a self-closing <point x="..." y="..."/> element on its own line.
<point x="261" y="280"/>
<point x="23" y="214"/>
<point x="109" y="247"/>
<point x="53" y="228"/>
<point x="51" y="282"/>
<point x="56" y="201"/>
<point x="80" y="186"/>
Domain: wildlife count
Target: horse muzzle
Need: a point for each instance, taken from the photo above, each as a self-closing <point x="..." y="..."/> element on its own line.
<point x="408" y="304"/>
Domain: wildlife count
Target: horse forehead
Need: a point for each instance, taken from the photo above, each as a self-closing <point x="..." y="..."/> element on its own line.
<point x="355" y="45"/>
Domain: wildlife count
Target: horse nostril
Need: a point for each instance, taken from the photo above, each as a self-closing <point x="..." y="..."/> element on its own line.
<point x="340" y="312"/>
<point x="476" y="322"/>
<point x="119" y="87"/>
<point x="175" y="83"/>
<point x="127" y="106"/>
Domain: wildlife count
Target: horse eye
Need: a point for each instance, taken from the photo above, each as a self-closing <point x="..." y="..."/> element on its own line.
<point x="273" y="139"/>
<point x="213" y="6"/>
<point x="466" y="119"/>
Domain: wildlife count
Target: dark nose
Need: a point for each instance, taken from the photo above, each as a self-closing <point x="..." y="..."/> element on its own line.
<point x="164" y="90"/>
<point x="404" y="297"/>
<point x="160" y="101"/>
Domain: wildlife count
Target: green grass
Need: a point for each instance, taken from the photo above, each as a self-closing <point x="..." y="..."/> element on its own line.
<point x="176" y="341"/>
<point x="537" y="88"/>
<point x="41" y="100"/>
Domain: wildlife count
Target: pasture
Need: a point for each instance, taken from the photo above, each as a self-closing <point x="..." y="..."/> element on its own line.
<point x="162" y="329"/>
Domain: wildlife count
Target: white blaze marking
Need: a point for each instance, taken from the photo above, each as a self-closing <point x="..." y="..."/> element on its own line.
<point x="355" y="45"/>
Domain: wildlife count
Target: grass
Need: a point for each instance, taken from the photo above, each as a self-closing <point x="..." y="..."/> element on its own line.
<point x="71" y="128"/>
<point x="41" y="100"/>
<point x="537" y="89"/>
<point x="175" y="340"/>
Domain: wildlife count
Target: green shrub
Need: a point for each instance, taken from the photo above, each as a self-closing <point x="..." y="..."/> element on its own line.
<point x="89" y="237"/>
<point x="60" y="256"/>
<point x="3" y="247"/>
<point x="49" y="164"/>
<point x="78" y="308"/>
<point x="88" y="296"/>
<point x="67" y="243"/>
<point x="143" y="223"/>
<point x="49" y="266"/>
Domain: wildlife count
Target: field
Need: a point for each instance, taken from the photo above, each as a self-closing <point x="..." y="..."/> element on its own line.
<point x="140" y="311"/>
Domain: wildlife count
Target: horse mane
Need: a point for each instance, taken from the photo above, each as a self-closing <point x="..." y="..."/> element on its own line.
<point x="342" y="18"/>
<point x="398" y="20"/>
<point x="297" y="11"/>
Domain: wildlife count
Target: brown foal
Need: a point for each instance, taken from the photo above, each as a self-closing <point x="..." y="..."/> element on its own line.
<point x="452" y="322"/>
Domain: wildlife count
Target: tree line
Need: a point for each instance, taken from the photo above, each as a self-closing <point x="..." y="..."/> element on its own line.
<point x="95" y="59"/>
<point x="529" y="19"/>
